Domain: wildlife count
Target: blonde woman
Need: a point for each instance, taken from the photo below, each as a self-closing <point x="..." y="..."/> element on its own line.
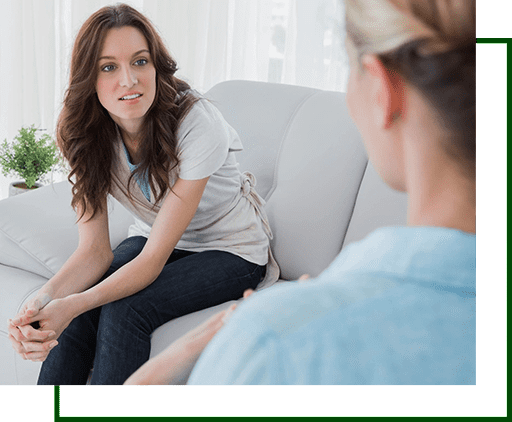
<point x="399" y="306"/>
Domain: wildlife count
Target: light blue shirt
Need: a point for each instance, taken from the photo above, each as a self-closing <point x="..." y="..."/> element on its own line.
<point x="143" y="182"/>
<point x="395" y="308"/>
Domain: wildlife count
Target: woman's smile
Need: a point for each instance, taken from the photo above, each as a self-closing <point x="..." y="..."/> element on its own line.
<point x="130" y="98"/>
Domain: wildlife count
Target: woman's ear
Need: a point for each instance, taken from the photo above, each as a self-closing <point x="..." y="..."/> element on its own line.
<point x="387" y="90"/>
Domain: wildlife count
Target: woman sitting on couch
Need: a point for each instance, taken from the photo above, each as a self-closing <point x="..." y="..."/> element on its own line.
<point x="399" y="306"/>
<point x="131" y="129"/>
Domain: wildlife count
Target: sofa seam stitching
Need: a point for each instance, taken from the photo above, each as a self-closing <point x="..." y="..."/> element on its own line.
<point x="24" y="249"/>
<point x="354" y="205"/>
<point x="285" y="135"/>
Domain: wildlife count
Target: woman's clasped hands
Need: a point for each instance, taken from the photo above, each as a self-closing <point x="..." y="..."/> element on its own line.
<point x="50" y="317"/>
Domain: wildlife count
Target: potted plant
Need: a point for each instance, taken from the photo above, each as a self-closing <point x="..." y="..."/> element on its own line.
<point x="29" y="158"/>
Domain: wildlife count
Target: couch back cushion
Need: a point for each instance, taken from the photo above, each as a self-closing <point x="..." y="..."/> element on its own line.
<point x="309" y="161"/>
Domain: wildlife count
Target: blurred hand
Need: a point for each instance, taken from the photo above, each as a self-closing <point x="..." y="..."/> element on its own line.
<point x="175" y="363"/>
<point x="249" y="292"/>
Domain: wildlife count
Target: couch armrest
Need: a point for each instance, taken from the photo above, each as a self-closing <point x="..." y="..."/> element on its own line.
<point x="38" y="231"/>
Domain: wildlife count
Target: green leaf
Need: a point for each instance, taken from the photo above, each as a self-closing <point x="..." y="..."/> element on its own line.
<point x="28" y="157"/>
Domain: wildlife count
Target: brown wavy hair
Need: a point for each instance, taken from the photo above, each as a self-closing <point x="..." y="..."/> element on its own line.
<point x="85" y="131"/>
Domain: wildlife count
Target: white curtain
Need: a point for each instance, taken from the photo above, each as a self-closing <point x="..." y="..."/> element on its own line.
<point x="215" y="40"/>
<point x="314" y="53"/>
<point x="285" y="41"/>
<point x="297" y="42"/>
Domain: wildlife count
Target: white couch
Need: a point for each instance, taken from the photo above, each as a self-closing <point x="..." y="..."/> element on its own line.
<point x="310" y="166"/>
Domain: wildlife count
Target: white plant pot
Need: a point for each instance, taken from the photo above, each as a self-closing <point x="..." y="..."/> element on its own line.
<point x="16" y="190"/>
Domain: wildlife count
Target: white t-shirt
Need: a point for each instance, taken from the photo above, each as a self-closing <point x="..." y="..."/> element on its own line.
<point x="230" y="215"/>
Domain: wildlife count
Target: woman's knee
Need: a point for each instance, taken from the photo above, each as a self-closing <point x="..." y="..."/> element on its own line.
<point x="125" y="313"/>
<point x="125" y="252"/>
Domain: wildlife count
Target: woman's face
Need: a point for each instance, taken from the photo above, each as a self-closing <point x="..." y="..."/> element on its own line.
<point x="126" y="83"/>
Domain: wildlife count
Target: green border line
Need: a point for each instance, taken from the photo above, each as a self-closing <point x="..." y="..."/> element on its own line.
<point x="56" y="402"/>
<point x="500" y="41"/>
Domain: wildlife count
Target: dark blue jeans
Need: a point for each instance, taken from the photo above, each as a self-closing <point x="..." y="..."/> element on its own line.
<point x="115" y="339"/>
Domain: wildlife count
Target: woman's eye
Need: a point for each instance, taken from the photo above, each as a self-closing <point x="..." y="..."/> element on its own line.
<point x="141" y="62"/>
<point x="108" y="68"/>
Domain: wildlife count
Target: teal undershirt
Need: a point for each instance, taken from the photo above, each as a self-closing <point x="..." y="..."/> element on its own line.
<point x="143" y="182"/>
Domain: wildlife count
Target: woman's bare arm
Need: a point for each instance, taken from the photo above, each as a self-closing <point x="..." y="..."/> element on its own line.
<point x="173" y="218"/>
<point x="83" y="269"/>
<point x="88" y="263"/>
